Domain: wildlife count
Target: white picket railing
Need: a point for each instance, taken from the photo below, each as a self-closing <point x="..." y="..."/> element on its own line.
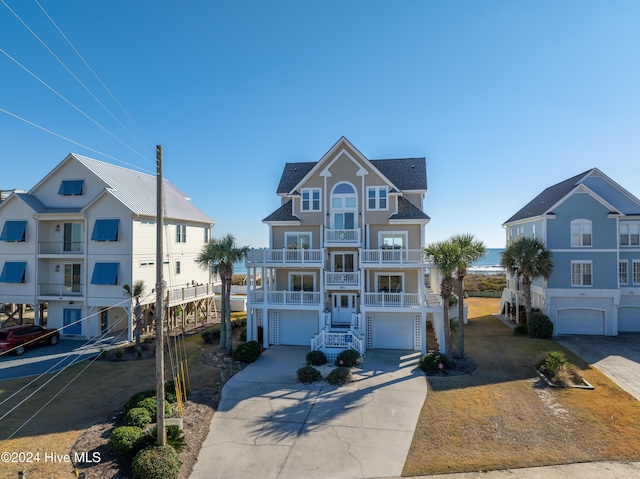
<point x="342" y="236"/>
<point x="304" y="298"/>
<point x="298" y="257"/>
<point x="380" y="257"/>
<point x="347" y="340"/>
<point x="393" y="300"/>
<point x="342" y="279"/>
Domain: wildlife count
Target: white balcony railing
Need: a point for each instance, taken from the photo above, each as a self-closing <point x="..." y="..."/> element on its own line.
<point x="342" y="279"/>
<point x="61" y="247"/>
<point x="347" y="340"/>
<point x="60" y="289"/>
<point x="399" y="257"/>
<point x="342" y="236"/>
<point x="304" y="298"/>
<point x="190" y="293"/>
<point x="393" y="300"/>
<point x="297" y="257"/>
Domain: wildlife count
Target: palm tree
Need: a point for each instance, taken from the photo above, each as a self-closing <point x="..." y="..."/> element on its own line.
<point x="527" y="259"/>
<point x="135" y="292"/>
<point x="444" y="255"/>
<point x="470" y="250"/>
<point x="218" y="256"/>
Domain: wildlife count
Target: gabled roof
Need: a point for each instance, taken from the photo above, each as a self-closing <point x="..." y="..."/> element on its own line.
<point x="284" y="213"/>
<point x="408" y="211"/>
<point x="137" y="191"/>
<point x="406" y="174"/>
<point x="541" y="204"/>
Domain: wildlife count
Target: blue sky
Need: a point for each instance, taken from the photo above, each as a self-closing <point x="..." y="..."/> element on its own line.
<point x="503" y="98"/>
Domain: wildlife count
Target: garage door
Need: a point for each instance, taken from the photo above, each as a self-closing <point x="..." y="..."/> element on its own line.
<point x="297" y="327"/>
<point x="629" y="319"/>
<point x="392" y="332"/>
<point x="579" y="321"/>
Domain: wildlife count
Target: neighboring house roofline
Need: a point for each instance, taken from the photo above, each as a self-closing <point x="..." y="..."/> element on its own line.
<point x="582" y="188"/>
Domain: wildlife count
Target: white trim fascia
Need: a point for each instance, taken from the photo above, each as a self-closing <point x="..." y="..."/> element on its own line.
<point x="584" y="189"/>
<point x="528" y="220"/>
<point x="581" y="292"/>
<point x="59" y="216"/>
<point x="409" y="222"/>
<point x="612" y="183"/>
<point x="283" y="223"/>
<point x="584" y="249"/>
<point x="627" y="249"/>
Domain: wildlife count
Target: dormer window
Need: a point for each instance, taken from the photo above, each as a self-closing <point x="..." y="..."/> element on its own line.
<point x="580" y="233"/>
<point x="310" y="199"/>
<point x="71" y="187"/>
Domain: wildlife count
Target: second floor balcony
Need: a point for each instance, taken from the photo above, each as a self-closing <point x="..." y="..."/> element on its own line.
<point x="342" y="280"/>
<point x="285" y="257"/>
<point x="285" y="298"/>
<point x="392" y="257"/>
<point x="336" y="237"/>
<point x="61" y="290"/>
<point x="61" y="247"/>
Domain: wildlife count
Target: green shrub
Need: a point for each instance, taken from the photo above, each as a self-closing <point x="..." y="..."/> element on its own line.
<point x="158" y="462"/>
<point x="553" y="362"/>
<point x="521" y="330"/>
<point x="139" y="396"/>
<point x="540" y="326"/>
<point x="175" y="437"/>
<point x="453" y="325"/>
<point x="124" y="438"/>
<point x="212" y="334"/>
<point x="138" y="416"/>
<point x="308" y="374"/>
<point x="432" y="362"/>
<point x="150" y="405"/>
<point x="339" y="376"/>
<point x="247" y="352"/>
<point x="316" y="358"/>
<point x="348" y="358"/>
<point x="242" y="335"/>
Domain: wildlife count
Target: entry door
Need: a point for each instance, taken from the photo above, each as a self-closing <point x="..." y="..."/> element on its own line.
<point x="344" y="305"/>
<point x="71" y="317"/>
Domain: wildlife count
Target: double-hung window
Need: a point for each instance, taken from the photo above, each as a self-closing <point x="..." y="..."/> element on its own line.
<point x="181" y="233"/>
<point x="377" y="197"/>
<point x="310" y="199"/>
<point x="623" y="272"/>
<point x="206" y="234"/>
<point x="581" y="273"/>
<point x="629" y="234"/>
<point x="580" y="233"/>
<point x="636" y="272"/>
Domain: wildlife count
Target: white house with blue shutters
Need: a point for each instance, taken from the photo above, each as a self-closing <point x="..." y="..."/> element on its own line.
<point x="86" y="229"/>
<point x="592" y="227"/>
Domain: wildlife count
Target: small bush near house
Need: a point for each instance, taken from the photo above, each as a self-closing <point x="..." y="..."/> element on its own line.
<point x="553" y="361"/>
<point x="521" y="330"/>
<point x="348" y="358"/>
<point x="434" y="362"/>
<point x="242" y="335"/>
<point x="124" y="438"/>
<point x="339" y="376"/>
<point x="211" y="335"/>
<point x="138" y="416"/>
<point x="540" y="326"/>
<point x="453" y="325"/>
<point x="175" y="437"/>
<point x="247" y="352"/>
<point x="316" y="358"/>
<point x="139" y="396"/>
<point x="308" y="375"/>
<point x="559" y="371"/>
<point x="170" y="392"/>
<point x="158" y="462"/>
<point x="150" y="405"/>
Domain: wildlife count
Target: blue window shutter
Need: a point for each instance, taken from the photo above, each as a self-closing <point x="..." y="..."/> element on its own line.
<point x="71" y="187"/>
<point x="105" y="230"/>
<point x="13" y="231"/>
<point x="13" y="272"/>
<point x="105" y="273"/>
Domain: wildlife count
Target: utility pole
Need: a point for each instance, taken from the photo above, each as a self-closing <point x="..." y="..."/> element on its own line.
<point x="162" y="438"/>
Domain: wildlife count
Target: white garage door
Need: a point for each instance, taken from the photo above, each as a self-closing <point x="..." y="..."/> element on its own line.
<point x="579" y="321"/>
<point x="297" y="327"/>
<point x="629" y="319"/>
<point x="392" y="332"/>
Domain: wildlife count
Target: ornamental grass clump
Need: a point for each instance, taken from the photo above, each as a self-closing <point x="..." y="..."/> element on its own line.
<point x="559" y="371"/>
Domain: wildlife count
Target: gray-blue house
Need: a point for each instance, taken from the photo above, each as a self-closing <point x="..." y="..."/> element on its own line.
<point x="592" y="226"/>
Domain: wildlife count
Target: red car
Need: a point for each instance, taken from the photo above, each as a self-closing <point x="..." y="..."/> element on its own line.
<point x="16" y="338"/>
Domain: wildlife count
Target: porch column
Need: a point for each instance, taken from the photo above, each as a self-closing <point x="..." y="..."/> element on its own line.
<point x="423" y="333"/>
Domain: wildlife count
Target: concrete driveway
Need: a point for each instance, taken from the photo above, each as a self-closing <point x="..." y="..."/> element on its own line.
<point x="616" y="356"/>
<point x="269" y="426"/>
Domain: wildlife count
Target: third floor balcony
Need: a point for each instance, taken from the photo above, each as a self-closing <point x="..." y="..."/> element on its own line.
<point x="285" y="257"/>
<point x="378" y="258"/>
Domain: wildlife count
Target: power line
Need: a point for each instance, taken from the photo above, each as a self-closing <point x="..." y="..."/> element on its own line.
<point x="70" y="103"/>
<point x="72" y="141"/>
<point x="100" y="81"/>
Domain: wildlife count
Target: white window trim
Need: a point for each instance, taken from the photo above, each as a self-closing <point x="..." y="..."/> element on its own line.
<point x="581" y="224"/>
<point x="300" y="273"/>
<point x="633" y="272"/>
<point x="181" y="233"/>
<point x="377" y="198"/>
<point x="628" y="224"/>
<point x="582" y="263"/>
<point x="390" y="273"/>
<point x="297" y="233"/>
<point x="622" y="264"/>
<point x="311" y="200"/>
<point x="382" y="234"/>
<point x="178" y="268"/>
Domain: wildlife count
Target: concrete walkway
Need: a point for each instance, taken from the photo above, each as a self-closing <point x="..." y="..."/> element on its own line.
<point x="269" y="426"/>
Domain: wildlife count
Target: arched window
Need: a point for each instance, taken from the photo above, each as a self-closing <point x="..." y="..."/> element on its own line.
<point x="344" y="204"/>
<point x="580" y="233"/>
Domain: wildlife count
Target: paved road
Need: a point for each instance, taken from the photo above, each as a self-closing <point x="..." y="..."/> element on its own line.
<point x="269" y="426"/>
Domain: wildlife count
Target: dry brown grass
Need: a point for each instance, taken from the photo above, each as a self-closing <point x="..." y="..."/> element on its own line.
<point x="97" y="394"/>
<point x="503" y="416"/>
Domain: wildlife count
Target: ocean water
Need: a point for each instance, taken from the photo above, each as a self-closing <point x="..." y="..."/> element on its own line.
<point x="492" y="258"/>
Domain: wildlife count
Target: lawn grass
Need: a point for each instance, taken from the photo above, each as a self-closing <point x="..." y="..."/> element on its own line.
<point x="97" y="394"/>
<point x="502" y="416"/>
